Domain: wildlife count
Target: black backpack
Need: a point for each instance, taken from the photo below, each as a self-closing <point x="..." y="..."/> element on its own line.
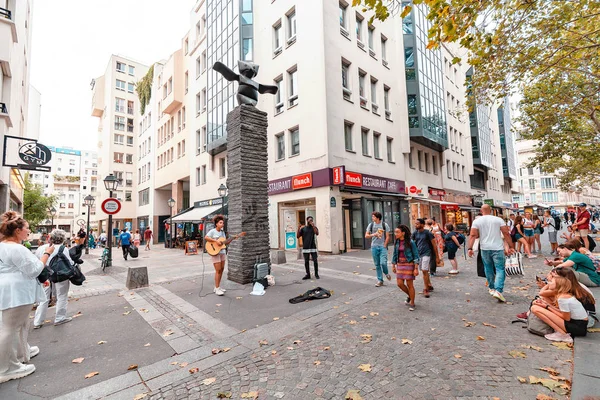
<point x="60" y="267"/>
<point x="557" y="223"/>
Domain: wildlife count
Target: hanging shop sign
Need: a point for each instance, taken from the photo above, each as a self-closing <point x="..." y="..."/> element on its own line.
<point x="489" y="202"/>
<point x="338" y="175"/>
<point x="375" y="183"/>
<point x="26" y="154"/>
<point x="437" y="192"/>
<point x="450" y="207"/>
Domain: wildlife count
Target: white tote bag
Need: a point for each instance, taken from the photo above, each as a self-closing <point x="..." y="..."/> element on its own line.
<point x="514" y="265"/>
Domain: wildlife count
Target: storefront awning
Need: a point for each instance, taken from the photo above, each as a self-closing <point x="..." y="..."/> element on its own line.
<point x="469" y="208"/>
<point x="196" y="214"/>
<point x="446" y="205"/>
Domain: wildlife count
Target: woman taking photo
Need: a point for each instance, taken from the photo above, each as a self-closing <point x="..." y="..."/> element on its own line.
<point x="537" y="231"/>
<point x="405" y="263"/>
<point x="19" y="290"/>
<point x="520" y="236"/>
<point x="568" y="319"/>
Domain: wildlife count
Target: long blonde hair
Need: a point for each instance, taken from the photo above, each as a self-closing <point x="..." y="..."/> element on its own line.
<point x="563" y="286"/>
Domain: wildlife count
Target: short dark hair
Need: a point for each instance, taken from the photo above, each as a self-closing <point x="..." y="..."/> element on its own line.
<point x="218" y="218"/>
<point x="309" y="217"/>
<point x="449" y="227"/>
<point x="421" y="221"/>
<point x="377" y="214"/>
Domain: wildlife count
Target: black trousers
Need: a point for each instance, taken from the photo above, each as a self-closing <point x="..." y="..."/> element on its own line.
<point x="307" y="262"/>
<point x="125" y="248"/>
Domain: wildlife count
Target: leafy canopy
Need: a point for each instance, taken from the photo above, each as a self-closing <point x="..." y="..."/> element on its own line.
<point x="548" y="51"/>
<point x="35" y="204"/>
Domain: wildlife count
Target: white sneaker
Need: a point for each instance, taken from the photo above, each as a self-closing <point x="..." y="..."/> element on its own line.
<point x="33" y="351"/>
<point x="559" y="337"/>
<point x="63" y="321"/>
<point x="499" y="296"/>
<point x="219" y="292"/>
<point x="491" y="292"/>
<point x="532" y="256"/>
<point x="24" y="370"/>
<point x="453" y="271"/>
<point x="223" y="290"/>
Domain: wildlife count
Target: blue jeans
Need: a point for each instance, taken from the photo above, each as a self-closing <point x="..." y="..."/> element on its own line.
<point x="493" y="262"/>
<point x="380" y="259"/>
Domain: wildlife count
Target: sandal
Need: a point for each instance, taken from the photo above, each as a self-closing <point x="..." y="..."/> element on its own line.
<point x="426" y="293"/>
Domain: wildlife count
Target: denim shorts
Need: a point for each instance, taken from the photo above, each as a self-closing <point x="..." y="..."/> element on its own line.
<point x="528" y="232"/>
<point x="536" y="231"/>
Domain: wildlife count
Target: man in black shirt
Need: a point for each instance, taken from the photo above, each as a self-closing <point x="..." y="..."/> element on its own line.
<point x="308" y="233"/>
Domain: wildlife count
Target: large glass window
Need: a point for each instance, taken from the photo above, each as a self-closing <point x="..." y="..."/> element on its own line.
<point x="343" y="22"/>
<point x="359" y="22"/>
<point x="532" y="184"/>
<point x="280" y="140"/>
<point x="291" y="24"/>
<point x="348" y="136"/>
<point x="412" y="104"/>
<point x="365" y="141"/>
<point x="247" y="49"/>
<point x="294" y="141"/>
<point x="550" y="197"/>
<point x="376" y="141"/>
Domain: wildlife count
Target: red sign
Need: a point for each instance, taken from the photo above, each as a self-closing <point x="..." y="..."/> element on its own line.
<point x="450" y="207"/>
<point x="302" y="181"/>
<point x="111" y="206"/>
<point x="413" y="189"/>
<point x="437" y="192"/>
<point x="353" y="179"/>
<point x="515" y="205"/>
<point x="338" y="175"/>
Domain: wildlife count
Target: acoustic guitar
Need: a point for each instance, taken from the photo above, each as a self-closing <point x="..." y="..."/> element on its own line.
<point x="213" y="248"/>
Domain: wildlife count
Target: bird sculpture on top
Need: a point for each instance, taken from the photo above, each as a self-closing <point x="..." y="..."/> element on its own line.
<point x="248" y="89"/>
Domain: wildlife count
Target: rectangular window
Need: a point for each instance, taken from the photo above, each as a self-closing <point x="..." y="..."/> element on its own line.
<point x="376" y="137"/>
<point x="384" y="49"/>
<point x="120" y="85"/>
<point x="131" y="70"/>
<point x="280" y="146"/>
<point x="144" y="197"/>
<point x="222" y="167"/>
<point x="118" y="158"/>
<point x="530" y="171"/>
<point x="348" y="136"/>
<point x="294" y="142"/>
<point x="374" y="94"/>
<point x="198" y="104"/>
<point x="390" y="153"/>
<point x="277" y="38"/>
<point x="129" y="158"/>
<point x="198" y="177"/>
<point x="347" y="91"/>
<point x="203" y="175"/>
<point x="291" y="20"/>
<point x="119" y="123"/>
<point x="119" y="105"/>
<point x="118" y="139"/>
<point x="128" y="195"/>
<point x="359" y="22"/>
<point x="532" y="184"/>
<point x="203" y="100"/>
<point x="130" y="87"/>
<point x="362" y="91"/>
<point x="420" y="159"/>
<point x="247" y="49"/>
<point x="550" y="197"/>
<point x="186" y="46"/>
<point x="412" y="104"/>
<point x="278" y="96"/>
<point x="427" y="163"/>
<point x="198" y="67"/>
<point x="129" y="179"/>
<point x="410" y="158"/>
<point x="186" y="81"/>
<point x="343" y="22"/>
<point x="386" y="101"/>
<point x="130" y="106"/>
<point x="370" y="35"/>
<point x="434" y="164"/>
<point x="130" y="125"/>
<point x="448" y="170"/>
<point x="120" y="67"/>
<point x="548" y="183"/>
<point x="130" y="141"/>
<point x="365" y="141"/>
<point x="533" y="197"/>
<point x="293" y="87"/>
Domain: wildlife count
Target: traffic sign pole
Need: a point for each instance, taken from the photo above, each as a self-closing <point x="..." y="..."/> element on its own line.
<point x="110" y="206"/>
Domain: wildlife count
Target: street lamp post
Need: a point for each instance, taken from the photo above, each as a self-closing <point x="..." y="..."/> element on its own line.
<point x="52" y="211"/>
<point x="110" y="183"/>
<point x="222" y="191"/>
<point x="171" y="204"/>
<point x="88" y="201"/>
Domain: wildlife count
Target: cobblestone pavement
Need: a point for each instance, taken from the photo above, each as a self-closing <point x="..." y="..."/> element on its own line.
<point x="442" y="358"/>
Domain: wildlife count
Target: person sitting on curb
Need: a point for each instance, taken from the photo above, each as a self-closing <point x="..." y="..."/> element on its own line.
<point x="582" y="265"/>
<point x="568" y="319"/>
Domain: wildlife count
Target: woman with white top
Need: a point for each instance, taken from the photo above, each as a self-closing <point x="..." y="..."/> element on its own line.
<point x="56" y="239"/>
<point x="19" y="290"/>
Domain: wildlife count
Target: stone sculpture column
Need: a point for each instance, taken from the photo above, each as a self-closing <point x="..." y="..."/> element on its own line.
<point x="248" y="198"/>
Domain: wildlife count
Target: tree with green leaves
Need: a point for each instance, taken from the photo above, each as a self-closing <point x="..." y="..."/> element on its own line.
<point x="35" y="204"/>
<point x="547" y="51"/>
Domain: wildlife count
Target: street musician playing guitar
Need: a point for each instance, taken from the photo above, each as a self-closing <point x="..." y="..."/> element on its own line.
<point x="216" y="243"/>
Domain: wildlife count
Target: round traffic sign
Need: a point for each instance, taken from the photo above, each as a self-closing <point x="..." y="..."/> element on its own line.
<point x="111" y="206"/>
<point x="413" y="189"/>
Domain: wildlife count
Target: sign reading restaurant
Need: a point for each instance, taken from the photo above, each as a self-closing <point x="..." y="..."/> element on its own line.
<point x="337" y="176"/>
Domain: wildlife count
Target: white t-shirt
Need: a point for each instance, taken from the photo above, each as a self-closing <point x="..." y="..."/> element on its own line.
<point x="527" y="223"/>
<point x="573" y="306"/>
<point x="550" y="222"/>
<point x="490" y="236"/>
<point x="215" y="234"/>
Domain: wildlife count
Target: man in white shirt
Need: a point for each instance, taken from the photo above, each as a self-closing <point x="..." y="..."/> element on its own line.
<point x="549" y="224"/>
<point x="492" y="233"/>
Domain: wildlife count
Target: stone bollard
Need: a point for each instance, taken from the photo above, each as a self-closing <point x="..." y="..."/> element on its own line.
<point x="278" y="257"/>
<point x="137" y="277"/>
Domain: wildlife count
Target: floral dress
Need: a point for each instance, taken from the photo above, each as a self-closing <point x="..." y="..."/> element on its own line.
<point x="404" y="269"/>
<point x="439" y="240"/>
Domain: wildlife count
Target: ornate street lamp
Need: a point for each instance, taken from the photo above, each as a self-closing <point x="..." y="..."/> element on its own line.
<point x="52" y="212"/>
<point x="171" y="204"/>
<point x="110" y="183"/>
<point x="88" y="201"/>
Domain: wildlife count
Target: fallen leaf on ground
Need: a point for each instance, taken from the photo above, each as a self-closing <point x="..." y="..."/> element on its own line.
<point x="469" y="324"/>
<point x="224" y="395"/>
<point x="132" y="367"/>
<point x="406" y="341"/>
<point x="127" y="313"/>
<point x="143" y="310"/>
<point x="263" y="342"/>
<point x="79" y="314"/>
<point x="541" y="396"/>
<point x="490" y="325"/>
<point x="140" y="396"/>
<point x="365" y="367"/>
<point x="366" y="338"/>
<point x="353" y="394"/>
<point x="102" y="342"/>
<point x="528" y="346"/>
<point x="553" y="385"/>
<point x="317" y="362"/>
<point x="374" y="314"/>
<point x="194" y="370"/>
<point x="250" y="395"/>
<point x="276" y="318"/>
<point x="219" y="305"/>
<point x="393" y="337"/>
<point x="480" y="338"/>
<point x="239" y="298"/>
<point x="352" y="322"/>
<point x="346" y="302"/>
<point x="326" y="348"/>
<point x="336" y="306"/>
<point x="183" y="364"/>
<point x="216" y="351"/>
<point x="592" y="330"/>
<point x="517" y="353"/>
<point x="559" y="378"/>
<point x="457" y="356"/>
<point x="356" y="273"/>
<point x="563" y="345"/>
<point x="208" y="381"/>
<point x="521" y="379"/>
<point x="78" y="360"/>
<point x="226" y="349"/>
<point x="91" y="374"/>
<point x="297" y="341"/>
<point x="549" y="370"/>
<point x="168" y="333"/>
<point x="290" y="348"/>
<point x="363" y="317"/>
<point x="273" y="352"/>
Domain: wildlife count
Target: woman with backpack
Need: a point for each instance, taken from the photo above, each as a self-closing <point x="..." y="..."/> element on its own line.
<point x="452" y="245"/>
<point x="519" y="236"/>
<point x="567" y="317"/>
<point x="537" y="231"/>
<point x="19" y="290"/>
<point x="56" y="241"/>
<point x="405" y="263"/>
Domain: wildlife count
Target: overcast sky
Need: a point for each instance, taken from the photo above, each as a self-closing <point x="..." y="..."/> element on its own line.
<point x="71" y="44"/>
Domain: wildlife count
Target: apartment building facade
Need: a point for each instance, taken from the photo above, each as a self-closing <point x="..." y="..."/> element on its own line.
<point x="73" y="176"/>
<point x="539" y="188"/>
<point x="15" y="53"/>
<point x="116" y="104"/>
